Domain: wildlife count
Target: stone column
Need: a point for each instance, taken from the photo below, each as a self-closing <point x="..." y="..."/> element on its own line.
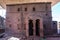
<point x="27" y="33"/>
<point x="34" y="28"/>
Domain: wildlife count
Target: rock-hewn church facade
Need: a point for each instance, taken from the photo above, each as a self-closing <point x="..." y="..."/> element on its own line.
<point x="29" y="19"/>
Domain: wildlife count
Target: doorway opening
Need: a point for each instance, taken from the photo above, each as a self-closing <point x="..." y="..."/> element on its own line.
<point x="30" y="27"/>
<point x="37" y="27"/>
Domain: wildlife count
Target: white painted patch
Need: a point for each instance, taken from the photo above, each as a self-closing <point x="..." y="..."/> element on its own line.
<point x="13" y="38"/>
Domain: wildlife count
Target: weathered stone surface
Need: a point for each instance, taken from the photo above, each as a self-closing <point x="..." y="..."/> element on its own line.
<point x="22" y="17"/>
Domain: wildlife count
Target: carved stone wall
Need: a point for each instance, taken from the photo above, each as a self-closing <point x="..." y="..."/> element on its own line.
<point x="18" y="16"/>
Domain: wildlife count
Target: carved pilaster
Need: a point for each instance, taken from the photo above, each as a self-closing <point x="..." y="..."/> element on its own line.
<point x="41" y="27"/>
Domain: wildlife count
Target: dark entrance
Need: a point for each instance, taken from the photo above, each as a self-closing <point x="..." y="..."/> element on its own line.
<point x="37" y="27"/>
<point x="30" y="27"/>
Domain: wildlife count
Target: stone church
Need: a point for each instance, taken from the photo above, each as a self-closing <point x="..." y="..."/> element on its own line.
<point x="29" y="20"/>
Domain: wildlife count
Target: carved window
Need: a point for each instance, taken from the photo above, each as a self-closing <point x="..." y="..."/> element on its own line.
<point x="54" y="23"/>
<point x="18" y="19"/>
<point x="18" y="26"/>
<point x="10" y="25"/>
<point x="18" y="9"/>
<point x="46" y="14"/>
<point x="25" y="9"/>
<point x="33" y="8"/>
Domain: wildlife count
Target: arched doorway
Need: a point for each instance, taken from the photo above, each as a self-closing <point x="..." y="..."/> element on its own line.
<point x="37" y="27"/>
<point x="30" y="27"/>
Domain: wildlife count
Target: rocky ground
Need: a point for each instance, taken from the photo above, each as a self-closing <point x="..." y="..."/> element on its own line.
<point x="10" y="38"/>
<point x="5" y="36"/>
